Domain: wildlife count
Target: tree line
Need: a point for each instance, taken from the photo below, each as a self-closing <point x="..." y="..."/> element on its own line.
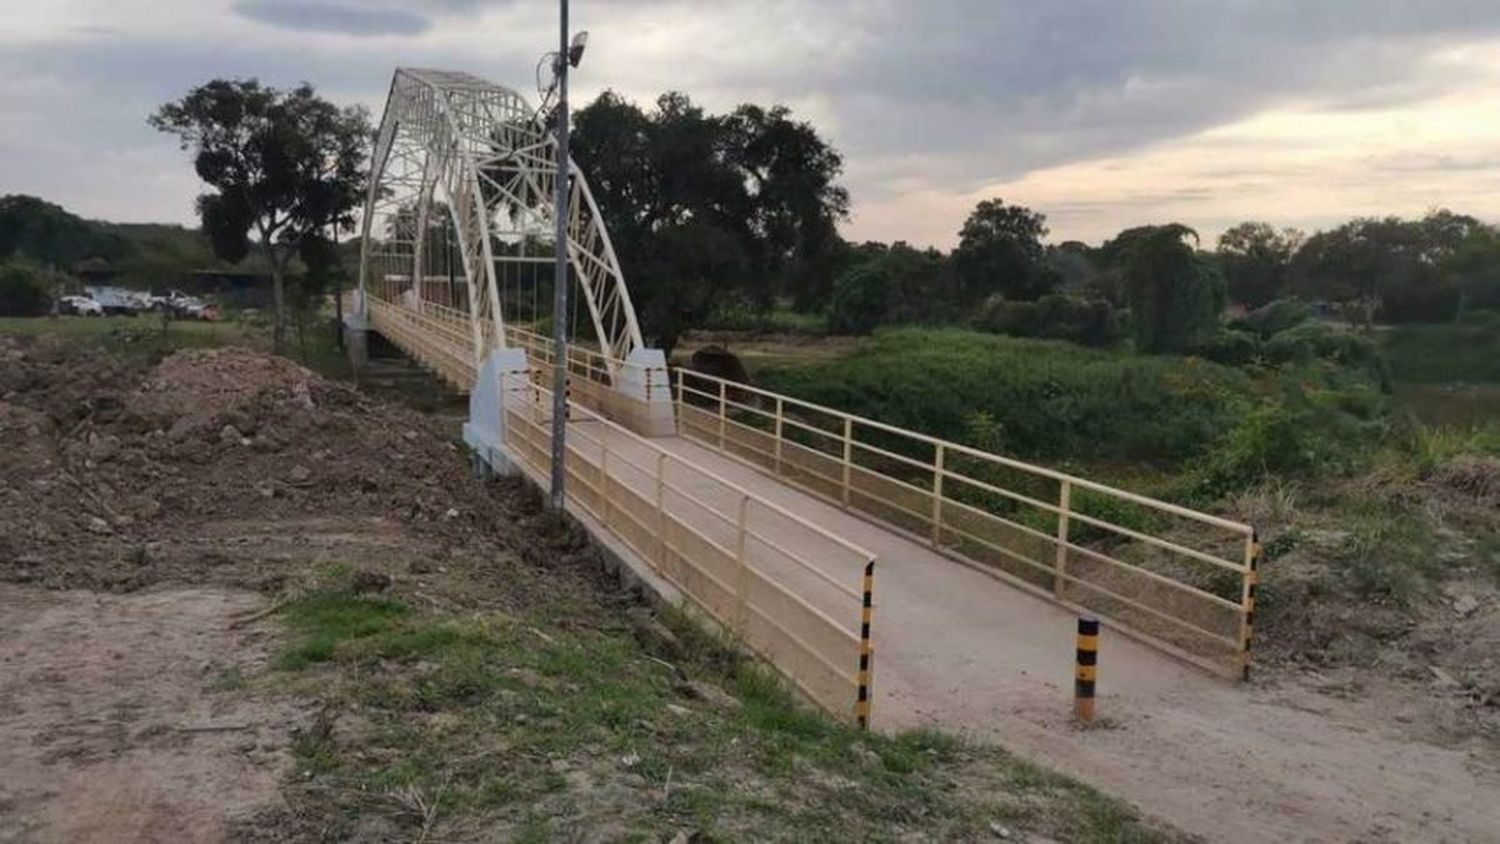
<point x="740" y="212"/>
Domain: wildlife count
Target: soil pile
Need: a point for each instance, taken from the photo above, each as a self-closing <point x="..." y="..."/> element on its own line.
<point x="214" y="465"/>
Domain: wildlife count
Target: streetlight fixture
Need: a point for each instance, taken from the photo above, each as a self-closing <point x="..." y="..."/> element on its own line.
<point x="569" y="54"/>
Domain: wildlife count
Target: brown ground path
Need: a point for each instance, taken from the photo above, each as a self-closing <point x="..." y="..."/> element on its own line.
<point x="958" y="649"/>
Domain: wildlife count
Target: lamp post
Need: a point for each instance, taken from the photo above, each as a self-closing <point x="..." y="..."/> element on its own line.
<point x="568" y="55"/>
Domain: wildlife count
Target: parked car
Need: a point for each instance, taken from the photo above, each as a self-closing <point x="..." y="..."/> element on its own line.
<point x="80" y="305"/>
<point x="181" y="305"/>
<point x="116" y="301"/>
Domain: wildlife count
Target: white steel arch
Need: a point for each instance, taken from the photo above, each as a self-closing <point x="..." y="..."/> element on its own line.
<point x="459" y="215"/>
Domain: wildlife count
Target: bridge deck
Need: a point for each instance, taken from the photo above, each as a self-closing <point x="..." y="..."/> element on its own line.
<point x="961" y="650"/>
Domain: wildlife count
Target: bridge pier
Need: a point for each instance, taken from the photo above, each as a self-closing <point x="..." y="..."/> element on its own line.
<point x="503" y="371"/>
<point x="644" y="394"/>
<point x="356" y="328"/>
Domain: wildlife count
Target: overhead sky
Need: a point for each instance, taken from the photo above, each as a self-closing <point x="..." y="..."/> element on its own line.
<point x="1100" y="113"/>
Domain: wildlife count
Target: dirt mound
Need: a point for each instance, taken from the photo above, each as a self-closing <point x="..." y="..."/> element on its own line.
<point x="117" y="475"/>
<point x="193" y="386"/>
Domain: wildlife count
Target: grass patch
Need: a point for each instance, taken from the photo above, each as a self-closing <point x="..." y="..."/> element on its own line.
<point x="325" y="619"/>
<point x="538" y="727"/>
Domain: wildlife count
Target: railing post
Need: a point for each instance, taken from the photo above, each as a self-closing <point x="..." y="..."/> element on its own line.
<point x="848" y="454"/>
<point x="1059" y="567"/>
<point x="742" y="572"/>
<point x="779" y="429"/>
<point x="723" y="412"/>
<point x="937" y="494"/>
<point x="1253" y="553"/>
<point x="866" y="649"/>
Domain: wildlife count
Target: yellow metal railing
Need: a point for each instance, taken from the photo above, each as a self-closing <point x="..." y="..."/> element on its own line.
<point x="783" y="585"/>
<point x="1178" y="578"/>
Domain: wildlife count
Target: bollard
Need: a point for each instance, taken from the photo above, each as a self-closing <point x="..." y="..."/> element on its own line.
<point x="1252" y="584"/>
<point x="862" y="702"/>
<point x="1086" y="670"/>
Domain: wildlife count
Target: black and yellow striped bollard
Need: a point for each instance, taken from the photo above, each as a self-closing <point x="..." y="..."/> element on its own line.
<point x="867" y="609"/>
<point x="1252" y="587"/>
<point x="1086" y="670"/>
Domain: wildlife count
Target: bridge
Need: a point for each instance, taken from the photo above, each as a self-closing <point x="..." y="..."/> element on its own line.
<point x="888" y="575"/>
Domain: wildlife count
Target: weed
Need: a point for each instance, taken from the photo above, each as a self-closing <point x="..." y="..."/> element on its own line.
<point x="323" y="619"/>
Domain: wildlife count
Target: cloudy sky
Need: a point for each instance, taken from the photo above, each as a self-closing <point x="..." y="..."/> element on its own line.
<point x="1100" y="113"/>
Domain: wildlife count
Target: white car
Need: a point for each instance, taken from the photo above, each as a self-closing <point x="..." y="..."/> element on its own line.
<point x="80" y="305"/>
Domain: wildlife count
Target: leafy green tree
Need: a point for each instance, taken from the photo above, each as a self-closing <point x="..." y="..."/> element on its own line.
<point x="795" y="204"/>
<point x="757" y="187"/>
<point x="1256" y="261"/>
<point x="24" y="290"/>
<point x="283" y="165"/>
<point x="895" y="284"/>
<point x="40" y="231"/>
<point x="1000" y="251"/>
<point x="1389" y="268"/>
<point x="1175" y="296"/>
<point x="1473" y="270"/>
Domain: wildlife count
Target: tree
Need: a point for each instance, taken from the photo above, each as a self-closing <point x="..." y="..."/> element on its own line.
<point x="892" y="284"/>
<point x="794" y="203"/>
<point x="39" y="231"/>
<point x="1256" y="261"/>
<point x="1473" y="270"/>
<point x="24" y="290"/>
<point x="284" y="165"/>
<point x="755" y="185"/>
<point x="1000" y="251"/>
<point x="1175" y="296"/>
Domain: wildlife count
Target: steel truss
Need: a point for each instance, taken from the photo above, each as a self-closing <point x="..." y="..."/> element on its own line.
<point x="465" y="165"/>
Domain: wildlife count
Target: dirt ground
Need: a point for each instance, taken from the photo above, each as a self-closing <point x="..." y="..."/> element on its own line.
<point x="118" y="721"/>
<point x="143" y="512"/>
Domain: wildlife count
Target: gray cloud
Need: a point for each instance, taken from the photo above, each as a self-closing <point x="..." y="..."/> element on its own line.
<point x="350" y="18"/>
<point x="947" y="95"/>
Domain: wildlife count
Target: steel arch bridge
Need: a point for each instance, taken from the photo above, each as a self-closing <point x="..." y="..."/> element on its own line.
<point x="767" y="513"/>
<point x="459" y="223"/>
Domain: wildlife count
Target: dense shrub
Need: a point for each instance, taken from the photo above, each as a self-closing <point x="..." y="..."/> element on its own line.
<point x="859" y="300"/>
<point x="1038" y="398"/>
<point x="1275" y="317"/>
<point x="1055" y="317"/>
<point x="1309" y="428"/>
<point x="23" y="291"/>
<point x="899" y="285"/>
<point x="1312" y="340"/>
<point x="1229" y="347"/>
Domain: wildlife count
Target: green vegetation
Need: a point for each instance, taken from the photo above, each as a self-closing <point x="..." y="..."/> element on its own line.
<point x="1468" y="351"/>
<point x="284" y="166"/>
<point x="24" y="290"/>
<point x="538" y="721"/>
<point x="1042" y="398"/>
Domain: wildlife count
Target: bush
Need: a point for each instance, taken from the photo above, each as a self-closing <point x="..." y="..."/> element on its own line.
<point x="1055" y="317"/>
<point x="1313" y="340"/>
<point x="1231" y="348"/>
<point x="1038" y="398"/>
<point x="1330" y="430"/>
<point x="859" y="301"/>
<point x="1275" y="317"/>
<point x="23" y="291"/>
